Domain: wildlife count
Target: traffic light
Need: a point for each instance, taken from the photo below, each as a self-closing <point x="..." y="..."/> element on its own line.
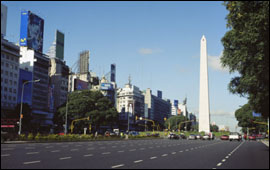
<point x="136" y="118"/>
<point x="21" y="116"/>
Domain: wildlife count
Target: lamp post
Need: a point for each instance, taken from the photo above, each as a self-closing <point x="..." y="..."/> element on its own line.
<point x="20" y="125"/>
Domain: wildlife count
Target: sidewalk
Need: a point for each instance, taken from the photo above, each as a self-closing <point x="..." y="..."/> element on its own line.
<point x="266" y="142"/>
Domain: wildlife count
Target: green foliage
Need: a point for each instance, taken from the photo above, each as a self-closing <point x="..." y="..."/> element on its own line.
<point x="30" y="136"/>
<point x="22" y="137"/>
<point x="86" y="103"/>
<point x="174" y="122"/>
<point x="246" y="50"/>
<point x="246" y="120"/>
<point x="214" y="128"/>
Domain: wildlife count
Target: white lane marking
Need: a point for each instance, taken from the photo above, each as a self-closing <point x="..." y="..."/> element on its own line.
<point x="180" y="151"/>
<point x="138" y="161"/>
<point x="31" y="153"/>
<point x="88" y="155"/>
<point x="64" y="158"/>
<point x="223" y="160"/>
<point x="132" y="150"/>
<point x="74" y="149"/>
<point x="173" y="153"/>
<point x="187" y="150"/>
<point x="33" y="162"/>
<point x="49" y="147"/>
<point x="121" y="151"/>
<point x="5" y="155"/>
<point x="7" y="149"/>
<point x="227" y="157"/>
<point x="154" y="157"/>
<point x="219" y="164"/>
<point x="117" y="166"/>
<point x="164" y="155"/>
<point x="55" y="151"/>
<point x="114" y="146"/>
<point x="142" y="149"/>
<point x="106" y="153"/>
<point x="90" y="148"/>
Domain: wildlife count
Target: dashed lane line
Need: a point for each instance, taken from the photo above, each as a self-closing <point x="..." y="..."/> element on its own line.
<point x="64" y="158"/>
<point x="33" y="162"/>
<point x="118" y="166"/>
<point x="32" y="153"/>
<point x="138" y="161"/>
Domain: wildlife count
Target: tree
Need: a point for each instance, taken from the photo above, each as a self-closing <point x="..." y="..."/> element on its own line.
<point x="214" y="128"/>
<point x="246" y="50"/>
<point x="87" y="103"/>
<point x="246" y="120"/>
<point x="174" y="122"/>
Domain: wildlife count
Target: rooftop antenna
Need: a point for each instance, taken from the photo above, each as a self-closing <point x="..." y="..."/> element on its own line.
<point x="129" y="80"/>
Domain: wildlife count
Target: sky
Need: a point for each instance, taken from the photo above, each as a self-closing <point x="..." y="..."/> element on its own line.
<point x="156" y="43"/>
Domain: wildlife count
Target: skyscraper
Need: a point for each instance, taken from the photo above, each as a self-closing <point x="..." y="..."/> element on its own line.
<point x="204" y="115"/>
<point x="84" y="62"/>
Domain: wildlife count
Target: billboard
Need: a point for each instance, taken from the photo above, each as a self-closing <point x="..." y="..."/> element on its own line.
<point x="27" y="94"/>
<point x="60" y="39"/>
<point x="106" y="86"/>
<point x="80" y="85"/>
<point x="113" y="71"/>
<point x="31" y="33"/>
<point x="176" y="103"/>
<point x="3" y="19"/>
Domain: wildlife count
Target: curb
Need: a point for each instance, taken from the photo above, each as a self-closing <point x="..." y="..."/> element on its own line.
<point x="266" y="143"/>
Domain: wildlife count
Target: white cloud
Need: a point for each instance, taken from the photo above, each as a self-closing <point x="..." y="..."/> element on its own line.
<point x="215" y="64"/>
<point x="222" y="113"/>
<point x="147" y="51"/>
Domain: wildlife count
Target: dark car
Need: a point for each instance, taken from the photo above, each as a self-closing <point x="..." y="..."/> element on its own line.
<point x="224" y="137"/>
<point x="182" y="136"/>
<point x="173" y="136"/>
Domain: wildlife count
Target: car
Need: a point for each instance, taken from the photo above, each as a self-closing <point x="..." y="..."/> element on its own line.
<point x="234" y="136"/>
<point x="182" y="136"/>
<point x="173" y="136"/>
<point x="192" y="137"/>
<point x="252" y="137"/>
<point x="199" y="136"/>
<point x="206" y="137"/>
<point x="134" y="133"/>
<point x="224" y="137"/>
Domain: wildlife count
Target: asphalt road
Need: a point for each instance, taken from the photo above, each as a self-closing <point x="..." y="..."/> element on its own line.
<point x="137" y="154"/>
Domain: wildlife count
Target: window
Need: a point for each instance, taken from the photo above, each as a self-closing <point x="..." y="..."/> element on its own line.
<point x="7" y="65"/>
<point x="15" y="83"/>
<point x="5" y="88"/>
<point x="14" y="91"/>
<point x="10" y="90"/>
<point x="16" y="67"/>
<point x="10" y="82"/>
<point x="6" y="81"/>
<point x="7" y="57"/>
<point x="11" y="58"/>
<point x="9" y="97"/>
<point x="11" y="74"/>
<point x="6" y="73"/>
<point x="15" y="75"/>
<point x="14" y="99"/>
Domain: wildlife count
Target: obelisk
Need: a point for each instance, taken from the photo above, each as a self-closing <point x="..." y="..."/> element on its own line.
<point x="204" y="116"/>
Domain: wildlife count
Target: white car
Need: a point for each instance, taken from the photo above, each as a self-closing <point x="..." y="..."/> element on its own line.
<point x="234" y="136"/>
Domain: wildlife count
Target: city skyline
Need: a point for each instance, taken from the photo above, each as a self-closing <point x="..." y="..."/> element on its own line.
<point x="157" y="43"/>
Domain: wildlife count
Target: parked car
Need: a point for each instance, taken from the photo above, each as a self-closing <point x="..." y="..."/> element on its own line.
<point x="134" y="133"/>
<point x="192" y="137"/>
<point x="224" y="137"/>
<point x="173" y="136"/>
<point x="252" y="137"/>
<point x="199" y="136"/>
<point x="182" y="136"/>
<point x="234" y="136"/>
<point x="206" y="137"/>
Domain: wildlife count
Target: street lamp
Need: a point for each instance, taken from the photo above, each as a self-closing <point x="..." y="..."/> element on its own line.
<point x="20" y="125"/>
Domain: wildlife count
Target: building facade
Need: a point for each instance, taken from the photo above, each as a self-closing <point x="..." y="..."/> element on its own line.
<point x="158" y="108"/>
<point x="10" y="56"/>
<point x="58" y="86"/>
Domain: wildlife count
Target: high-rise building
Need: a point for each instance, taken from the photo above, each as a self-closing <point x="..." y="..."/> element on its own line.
<point x="158" y="108"/>
<point x="3" y="20"/>
<point x="84" y="62"/>
<point x="57" y="48"/>
<point x="10" y="55"/>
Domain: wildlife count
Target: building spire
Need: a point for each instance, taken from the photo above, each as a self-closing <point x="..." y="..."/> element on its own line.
<point x="129" y="80"/>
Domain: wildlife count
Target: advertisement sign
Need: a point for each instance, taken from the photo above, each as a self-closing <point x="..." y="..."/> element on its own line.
<point x="113" y="72"/>
<point x="32" y="28"/>
<point x="256" y="114"/>
<point x="24" y="24"/>
<point x="27" y="94"/>
<point x="80" y="85"/>
<point x="60" y="39"/>
<point x="176" y="103"/>
<point x="106" y="86"/>
<point x="3" y="19"/>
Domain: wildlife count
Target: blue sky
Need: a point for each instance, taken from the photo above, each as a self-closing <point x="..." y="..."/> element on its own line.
<point x="157" y="43"/>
